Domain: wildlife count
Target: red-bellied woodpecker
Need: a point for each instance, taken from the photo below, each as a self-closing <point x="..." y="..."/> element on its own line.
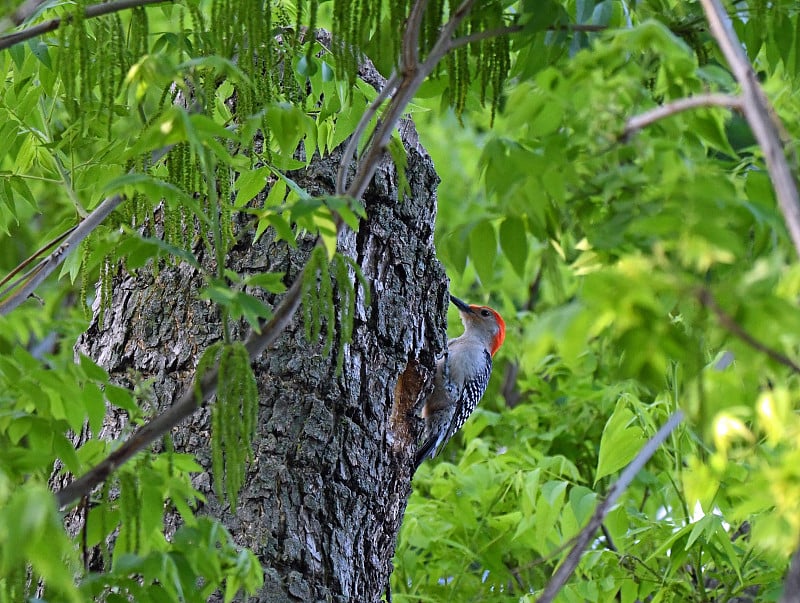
<point x="458" y="389"/>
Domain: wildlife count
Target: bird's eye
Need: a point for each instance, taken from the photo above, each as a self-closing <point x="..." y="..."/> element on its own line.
<point x="485" y="313"/>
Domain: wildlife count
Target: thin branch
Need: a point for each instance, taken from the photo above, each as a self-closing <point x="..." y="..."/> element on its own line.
<point x="26" y="285"/>
<point x="726" y="320"/>
<point x="46" y="267"/>
<point x="27" y="262"/>
<point x="485" y="35"/>
<point x="760" y="115"/>
<point x="411" y="80"/>
<point x="565" y="570"/>
<point x="643" y="120"/>
<point x="95" y="10"/>
<point x="410" y="47"/>
<point x="352" y="145"/>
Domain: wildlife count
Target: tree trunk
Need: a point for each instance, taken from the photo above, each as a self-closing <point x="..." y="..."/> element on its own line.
<point x="325" y="497"/>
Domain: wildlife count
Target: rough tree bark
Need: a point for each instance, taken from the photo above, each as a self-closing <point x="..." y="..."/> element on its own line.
<point x="325" y="497"/>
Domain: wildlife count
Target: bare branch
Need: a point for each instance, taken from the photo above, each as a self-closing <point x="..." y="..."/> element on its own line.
<point x="410" y="81"/>
<point x="410" y="47"/>
<point x="352" y="145"/>
<point x="27" y="262"/>
<point x="512" y="29"/>
<point x="565" y="570"/>
<point x="95" y="10"/>
<point x="760" y="115"/>
<point x="726" y="320"/>
<point x="24" y="12"/>
<point x="643" y="120"/>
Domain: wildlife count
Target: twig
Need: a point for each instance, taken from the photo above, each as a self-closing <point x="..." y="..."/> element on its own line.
<point x="760" y="115"/>
<point x="410" y="47"/>
<point x="643" y="120"/>
<point x="726" y="320"/>
<point x="411" y="79"/>
<point x="43" y="269"/>
<point x="95" y="10"/>
<point x="565" y="570"/>
<point x="352" y="145"/>
<point x="27" y="284"/>
<point x="31" y="258"/>
<point x="609" y="541"/>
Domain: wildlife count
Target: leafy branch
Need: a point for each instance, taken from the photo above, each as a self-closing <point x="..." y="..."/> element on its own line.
<point x="756" y="108"/>
<point x="95" y="10"/>
<point x="564" y="571"/>
<point x="761" y="116"/>
<point x="638" y="122"/>
<point x="726" y="320"/>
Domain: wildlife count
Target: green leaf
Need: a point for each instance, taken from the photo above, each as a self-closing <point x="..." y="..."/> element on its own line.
<point x="95" y="406"/>
<point x="122" y="398"/>
<point x="137" y="250"/>
<point x="622" y="439"/>
<point x="483" y="249"/>
<point x="514" y="243"/>
<point x="92" y="370"/>
<point x="288" y="124"/>
<point x="249" y="184"/>
<point x="270" y="281"/>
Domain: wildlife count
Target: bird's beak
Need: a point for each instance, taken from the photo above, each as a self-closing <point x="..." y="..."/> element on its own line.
<point x="463" y="306"/>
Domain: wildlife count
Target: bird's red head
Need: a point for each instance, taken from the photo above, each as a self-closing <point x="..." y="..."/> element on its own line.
<point x="484" y="318"/>
<point x="501" y="326"/>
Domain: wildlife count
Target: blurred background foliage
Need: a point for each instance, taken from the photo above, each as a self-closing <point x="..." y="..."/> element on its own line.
<point x="600" y="250"/>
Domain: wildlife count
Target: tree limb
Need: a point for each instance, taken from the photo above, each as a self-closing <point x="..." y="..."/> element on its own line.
<point x="760" y="115"/>
<point x="565" y="570"/>
<point x="643" y="120"/>
<point x="352" y="144"/>
<point x="726" y="320"/>
<point x="24" y="12"/>
<point x="411" y="79"/>
<point x="27" y="262"/>
<point x="512" y="29"/>
<point x="95" y="10"/>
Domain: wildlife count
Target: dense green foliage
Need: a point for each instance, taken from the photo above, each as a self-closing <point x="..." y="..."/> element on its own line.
<point x="630" y="236"/>
<point x="624" y="266"/>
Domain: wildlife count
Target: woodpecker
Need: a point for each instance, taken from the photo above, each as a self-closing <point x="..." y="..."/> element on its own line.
<point x="458" y="390"/>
